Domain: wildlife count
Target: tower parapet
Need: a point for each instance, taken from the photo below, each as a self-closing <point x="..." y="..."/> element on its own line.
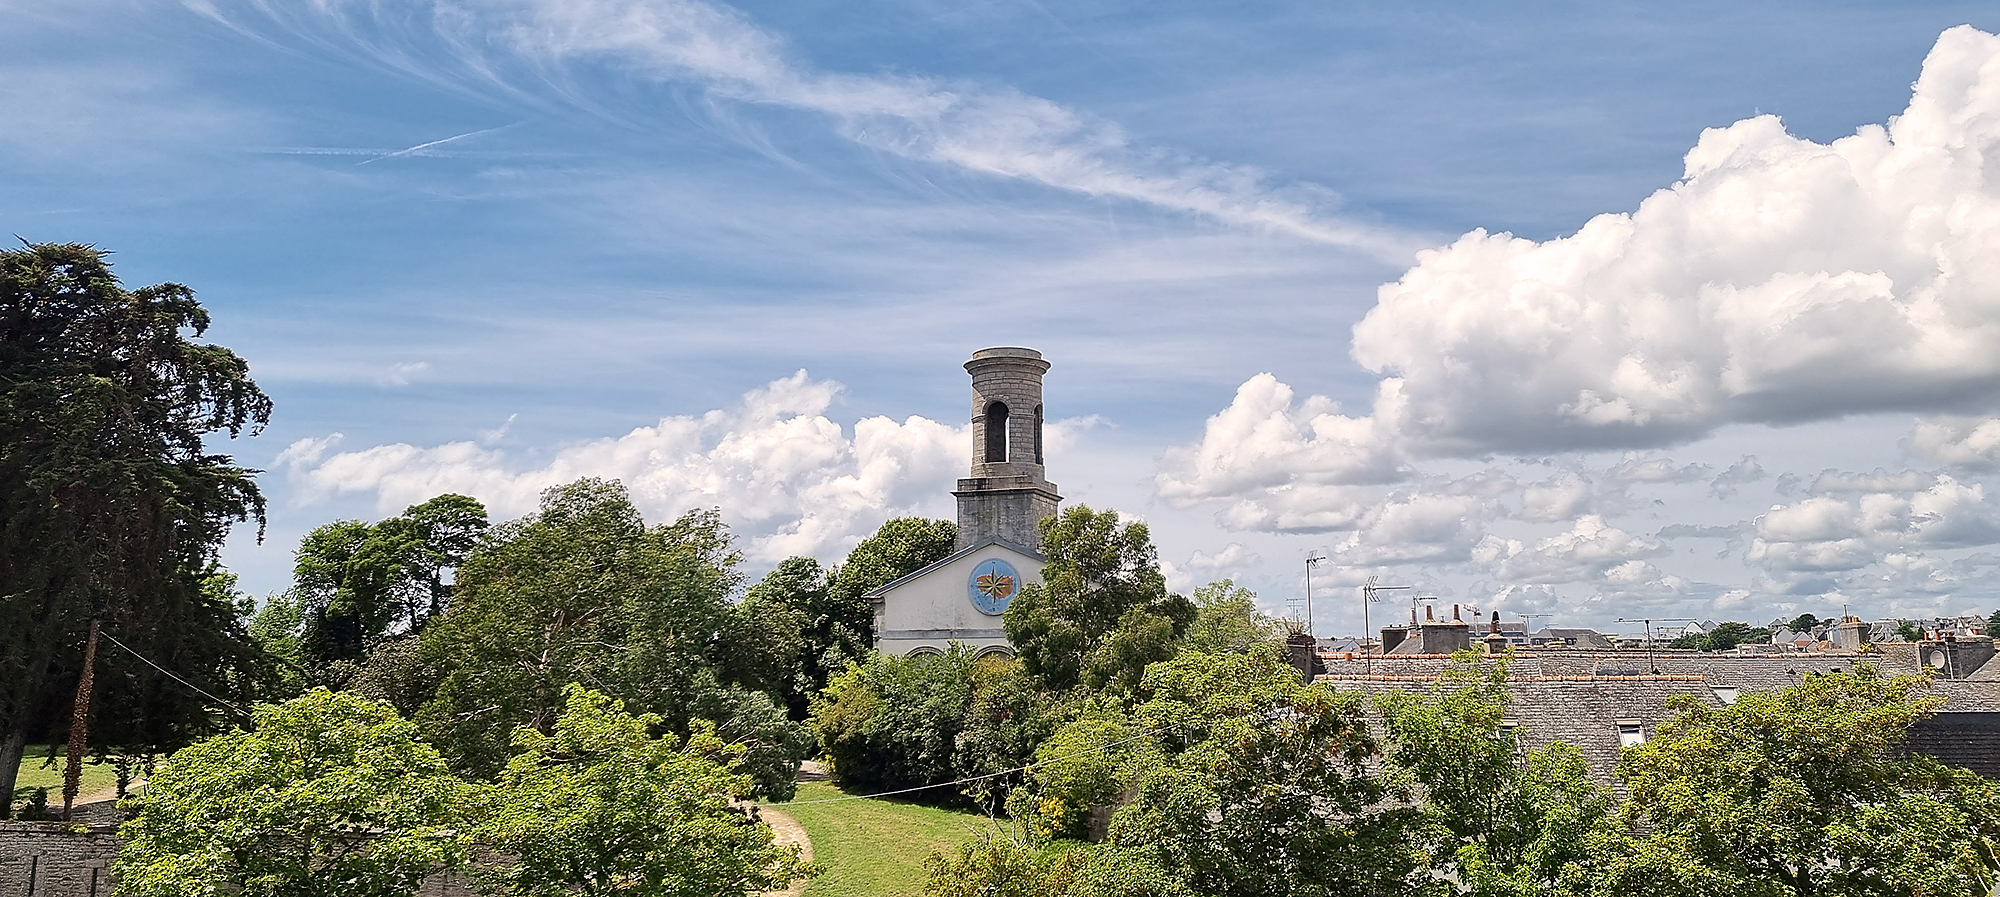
<point x="1008" y="492"/>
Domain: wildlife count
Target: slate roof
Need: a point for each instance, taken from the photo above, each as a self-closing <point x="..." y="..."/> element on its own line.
<point x="1970" y="740"/>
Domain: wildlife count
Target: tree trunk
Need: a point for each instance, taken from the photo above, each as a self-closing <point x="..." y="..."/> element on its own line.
<point x="79" y="724"/>
<point x="11" y="748"/>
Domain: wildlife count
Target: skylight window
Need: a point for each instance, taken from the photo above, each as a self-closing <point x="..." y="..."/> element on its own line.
<point x="1631" y="733"/>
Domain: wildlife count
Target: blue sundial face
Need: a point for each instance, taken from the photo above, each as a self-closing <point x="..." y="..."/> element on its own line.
<point x="992" y="585"/>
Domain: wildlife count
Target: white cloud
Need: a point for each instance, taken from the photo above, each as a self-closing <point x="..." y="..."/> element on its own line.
<point x="1264" y="444"/>
<point x="400" y="374"/>
<point x="1823" y="534"/>
<point x="1560" y="497"/>
<point x="1590" y="550"/>
<point x="1965" y="443"/>
<point x="1416" y="528"/>
<point x="785" y="475"/>
<point x="1780" y="280"/>
<point x="528" y="47"/>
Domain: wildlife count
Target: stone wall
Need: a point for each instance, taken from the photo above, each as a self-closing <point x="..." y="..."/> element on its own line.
<point x="48" y="859"/>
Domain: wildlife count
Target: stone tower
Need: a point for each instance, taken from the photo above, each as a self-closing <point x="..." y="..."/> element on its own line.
<point x="1007" y="493"/>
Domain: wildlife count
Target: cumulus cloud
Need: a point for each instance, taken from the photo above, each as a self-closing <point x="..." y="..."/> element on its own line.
<point x="1965" y="443"/>
<point x="1824" y="534"/>
<point x="530" y="47"/>
<point x="1744" y="471"/>
<point x="1781" y="280"/>
<point x="1264" y="440"/>
<point x="1416" y="528"/>
<point x="788" y="477"/>
<point x="1589" y="550"/>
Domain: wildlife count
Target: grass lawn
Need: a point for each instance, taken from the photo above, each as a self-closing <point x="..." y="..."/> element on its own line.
<point x="874" y="848"/>
<point x="34" y="775"/>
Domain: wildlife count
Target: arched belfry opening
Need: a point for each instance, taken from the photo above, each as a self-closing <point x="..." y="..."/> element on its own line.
<point x="1038" y="435"/>
<point x="1007" y="492"/>
<point x="996" y="432"/>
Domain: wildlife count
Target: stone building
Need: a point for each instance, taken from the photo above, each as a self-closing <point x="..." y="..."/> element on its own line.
<point x="961" y="597"/>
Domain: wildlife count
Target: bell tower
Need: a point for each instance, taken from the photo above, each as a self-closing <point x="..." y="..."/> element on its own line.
<point x="1007" y="493"/>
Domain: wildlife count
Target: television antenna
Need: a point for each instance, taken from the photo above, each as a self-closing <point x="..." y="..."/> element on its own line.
<point x="1369" y="596"/>
<point x="1649" y="621"/>
<point x="1531" y="624"/>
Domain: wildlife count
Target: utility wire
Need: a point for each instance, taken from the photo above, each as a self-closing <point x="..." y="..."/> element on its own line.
<point x="170" y="674"/>
<point x="991" y="775"/>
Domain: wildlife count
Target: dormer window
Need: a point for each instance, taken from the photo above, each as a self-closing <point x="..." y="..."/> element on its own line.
<point x="1631" y="733"/>
<point x="1726" y="694"/>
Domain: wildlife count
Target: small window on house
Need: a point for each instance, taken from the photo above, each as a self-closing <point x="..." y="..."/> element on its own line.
<point x="996" y="431"/>
<point x="1510" y="730"/>
<point x="1631" y="733"/>
<point x="1726" y="694"/>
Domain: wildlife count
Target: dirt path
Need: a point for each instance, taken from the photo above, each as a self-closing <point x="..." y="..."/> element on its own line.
<point x="786" y="830"/>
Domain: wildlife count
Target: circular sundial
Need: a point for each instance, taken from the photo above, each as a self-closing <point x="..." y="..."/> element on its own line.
<point x="992" y="585"/>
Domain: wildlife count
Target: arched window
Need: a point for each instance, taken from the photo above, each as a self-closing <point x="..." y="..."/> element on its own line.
<point x="1038" y="434"/>
<point x="996" y="431"/>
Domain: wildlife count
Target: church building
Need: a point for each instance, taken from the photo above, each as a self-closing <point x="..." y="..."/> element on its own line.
<point x="961" y="597"/>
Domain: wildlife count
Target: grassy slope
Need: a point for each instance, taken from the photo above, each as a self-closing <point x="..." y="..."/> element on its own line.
<point x="874" y="848"/>
<point x="34" y="775"/>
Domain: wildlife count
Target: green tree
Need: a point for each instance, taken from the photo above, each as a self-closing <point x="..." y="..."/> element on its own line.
<point x="111" y="506"/>
<point x="357" y="583"/>
<point x="1803" y="623"/>
<point x="1800" y="792"/>
<point x="331" y="794"/>
<point x="1267" y="785"/>
<point x="1909" y="631"/>
<point x="1724" y="637"/>
<point x="1993" y="625"/>
<point x="1226" y="618"/>
<point x="1102" y="611"/>
<point x="584" y="591"/>
<point x="782" y="632"/>
<point x="894" y="722"/>
<point x="1498" y="819"/>
<point x="601" y="807"/>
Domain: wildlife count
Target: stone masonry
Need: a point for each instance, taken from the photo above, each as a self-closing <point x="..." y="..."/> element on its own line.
<point x="1008" y="492"/>
<point x="49" y="859"/>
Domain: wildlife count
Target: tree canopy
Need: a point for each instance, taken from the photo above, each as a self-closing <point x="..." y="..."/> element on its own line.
<point x="1102" y="611"/>
<point x="356" y="583"/>
<point x="111" y="506"/>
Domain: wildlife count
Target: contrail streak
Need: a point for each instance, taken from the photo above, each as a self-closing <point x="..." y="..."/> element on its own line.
<point x="424" y="146"/>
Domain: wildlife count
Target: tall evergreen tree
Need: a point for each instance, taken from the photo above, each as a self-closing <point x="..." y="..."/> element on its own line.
<point x="111" y="506"/>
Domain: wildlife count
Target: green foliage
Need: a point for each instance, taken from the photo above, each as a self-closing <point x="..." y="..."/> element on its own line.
<point x="357" y="583"/>
<point x="1102" y="611"/>
<point x="1501" y="822"/>
<point x="1993" y="625"/>
<point x="894" y="722"/>
<point x="1006" y="719"/>
<point x="1800" y="792"/>
<point x="1726" y="636"/>
<point x="111" y="506"/>
<point x="1226" y="618"/>
<point x="784" y="630"/>
<point x="600" y="807"/>
<point x="899" y="548"/>
<point x="331" y="793"/>
<point x="1265" y="787"/>
<point x="1003" y="866"/>
<point x="1090" y="762"/>
<point x="583" y="591"/>
<point x="1909" y="631"/>
<point x="274" y="629"/>
<point x="1803" y="623"/>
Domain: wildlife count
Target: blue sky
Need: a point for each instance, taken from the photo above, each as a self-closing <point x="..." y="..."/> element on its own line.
<point x="487" y="242"/>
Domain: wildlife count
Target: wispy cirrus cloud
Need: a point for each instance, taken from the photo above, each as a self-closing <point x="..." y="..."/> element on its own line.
<point x="541" y="49"/>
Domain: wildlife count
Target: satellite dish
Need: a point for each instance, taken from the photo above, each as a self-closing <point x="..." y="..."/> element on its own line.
<point x="1935" y="658"/>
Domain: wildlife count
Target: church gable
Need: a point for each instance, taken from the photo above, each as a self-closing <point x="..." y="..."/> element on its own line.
<point x="958" y="599"/>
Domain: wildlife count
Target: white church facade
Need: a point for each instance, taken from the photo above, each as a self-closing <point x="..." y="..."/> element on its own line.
<point x="961" y="597"/>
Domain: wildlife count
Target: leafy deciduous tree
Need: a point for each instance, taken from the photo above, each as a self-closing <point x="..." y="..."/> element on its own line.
<point x="1102" y="611"/>
<point x="331" y="794"/>
<point x="601" y="807"/>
